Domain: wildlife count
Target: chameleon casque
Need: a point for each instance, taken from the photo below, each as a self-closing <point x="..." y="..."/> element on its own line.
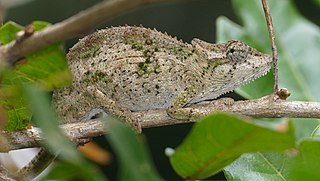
<point x="129" y="68"/>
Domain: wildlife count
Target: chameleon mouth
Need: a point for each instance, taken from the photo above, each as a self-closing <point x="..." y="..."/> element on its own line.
<point x="254" y="77"/>
<point x="264" y="70"/>
<point x="248" y="81"/>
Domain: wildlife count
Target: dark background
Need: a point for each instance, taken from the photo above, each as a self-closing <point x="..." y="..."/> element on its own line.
<point x="186" y="20"/>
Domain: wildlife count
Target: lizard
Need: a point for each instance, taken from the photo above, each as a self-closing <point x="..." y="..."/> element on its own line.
<point x="123" y="69"/>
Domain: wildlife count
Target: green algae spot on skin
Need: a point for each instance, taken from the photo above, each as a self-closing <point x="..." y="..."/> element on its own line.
<point x="88" y="52"/>
<point x="217" y="63"/>
<point x="135" y="44"/>
<point x="143" y="68"/>
<point x="156" y="69"/>
<point x="95" y="77"/>
<point x="183" y="52"/>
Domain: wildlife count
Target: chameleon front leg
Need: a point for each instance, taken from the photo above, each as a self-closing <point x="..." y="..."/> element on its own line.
<point x="181" y="100"/>
<point x="110" y="106"/>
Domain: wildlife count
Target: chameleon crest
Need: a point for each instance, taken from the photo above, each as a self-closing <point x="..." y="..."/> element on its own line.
<point x="129" y="68"/>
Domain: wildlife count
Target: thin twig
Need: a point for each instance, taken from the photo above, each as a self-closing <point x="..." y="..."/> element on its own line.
<point x="69" y="28"/>
<point x="258" y="108"/>
<point x="273" y="43"/>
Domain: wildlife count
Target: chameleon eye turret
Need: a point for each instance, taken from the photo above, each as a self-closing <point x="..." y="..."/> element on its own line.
<point x="236" y="51"/>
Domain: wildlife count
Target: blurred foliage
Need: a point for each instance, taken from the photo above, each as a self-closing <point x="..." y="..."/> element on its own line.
<point x="134" y="159"/>
<point x="46" y="67"/>
<point x="74" y="166"/>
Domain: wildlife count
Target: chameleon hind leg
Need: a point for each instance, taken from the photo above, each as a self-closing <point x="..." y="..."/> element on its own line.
<point x="108" y="106"/>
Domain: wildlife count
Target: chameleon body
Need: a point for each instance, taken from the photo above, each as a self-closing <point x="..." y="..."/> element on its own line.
<point x="128" y="68"/>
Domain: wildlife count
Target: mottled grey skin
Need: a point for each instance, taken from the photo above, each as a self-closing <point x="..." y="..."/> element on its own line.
<point x="124" y="69"/>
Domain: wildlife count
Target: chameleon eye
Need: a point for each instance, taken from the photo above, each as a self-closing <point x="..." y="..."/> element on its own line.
<point x="236" y="51"/>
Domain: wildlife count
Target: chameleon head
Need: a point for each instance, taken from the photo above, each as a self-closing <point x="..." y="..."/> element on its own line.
<point x="231" y="64"/>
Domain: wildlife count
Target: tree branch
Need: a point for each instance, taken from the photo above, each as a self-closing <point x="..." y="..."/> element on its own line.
<point x="265" y="107"/>
<point x="69" y="28"/>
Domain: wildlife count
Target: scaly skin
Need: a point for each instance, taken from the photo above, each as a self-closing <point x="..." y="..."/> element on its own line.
<point x="129" y="68"/>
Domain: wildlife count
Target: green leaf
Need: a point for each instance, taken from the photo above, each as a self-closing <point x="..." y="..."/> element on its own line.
<point x="55" y="139"/>
<point x="66" y="170"/>
<point x="8" y="32"/>
<point x="217" y="140"/>
<point x="259" y="166"/>
<point x="135" y="162"/>
<point x="46" y="67"/>
<point x="306" y="165"/>
<point x="17" y="114"/>
<point x="39" y="25"/>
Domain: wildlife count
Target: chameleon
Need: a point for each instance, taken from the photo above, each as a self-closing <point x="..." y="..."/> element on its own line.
<point x="120" y="70"/>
